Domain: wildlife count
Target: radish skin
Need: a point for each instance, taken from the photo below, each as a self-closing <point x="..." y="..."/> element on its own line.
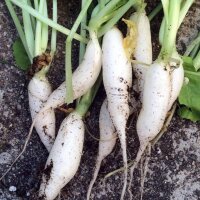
<point x="117" y="78"/>
<point x="154" y="103"/>
<point x="156" y="95"/>
<point x="64" y="158"/>
<point x="39" y="90"/>
<point x="107" y="141"/>
<point x="143" y="49"/>
<point x="177" y="78"/>
<point x="83" y="77"/>
<point x="108" y="137"/>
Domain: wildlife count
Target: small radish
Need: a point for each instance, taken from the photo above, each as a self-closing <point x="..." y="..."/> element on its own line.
<point x="154" y="109"/>
<point x="39" y="90"/>
<point x="64" y="158"/>
<point x="117" y="78"/>
<point x="83" y="78"/>
<point x="107" y="141"/>
<point x="156" y="95"/>
<point x="108" y="137"/>
<point x="162" y="83"/>
<point x="143" y="48"/>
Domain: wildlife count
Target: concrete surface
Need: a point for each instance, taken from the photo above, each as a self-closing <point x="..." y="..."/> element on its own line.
<point x="174" y="168"/>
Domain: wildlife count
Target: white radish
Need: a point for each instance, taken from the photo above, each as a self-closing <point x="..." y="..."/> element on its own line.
<point x="117" y="78"/>
<point x="64" y="158"/>
<point x="177" y="78"/>
<point x="155" y="101"/>
<point x="108" y="137"/>
<point x="156" y="95"/>
<point x="143" y="48"/>
<point x="107" y="141"/>
<point x="39" y="90"/>
<point x="83" y="77"/>
<point x="162" y="84"/>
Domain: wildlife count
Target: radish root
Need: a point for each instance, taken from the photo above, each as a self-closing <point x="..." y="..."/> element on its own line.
<point x="23" y="150"/>
<point x="97" y="168"/>
<point x="145" y="170"/>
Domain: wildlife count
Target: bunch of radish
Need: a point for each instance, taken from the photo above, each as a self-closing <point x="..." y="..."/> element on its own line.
<point x="158" y="82"/>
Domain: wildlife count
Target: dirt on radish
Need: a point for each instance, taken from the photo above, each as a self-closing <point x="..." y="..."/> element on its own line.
<point x="174" y="161"/>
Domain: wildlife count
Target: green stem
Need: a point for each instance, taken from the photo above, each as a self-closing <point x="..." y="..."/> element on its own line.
<point x="165" y="5"/>
<point x="54" y="32"/>
<point x="36" y="4"/>
<point x="120" y="12"/>
<point x="28" y="30"/>
<point x="49" y="22"/>
<point x="84" y="104"/>
<point x="82" y="45"/>
<point x="88" y="98"/>
<point x="192" y="45"/>
<point x="19" y="28"/>
<point x="162" y="31"/>
<point x="95" y="22"/>
<point x="107" y="8"/>
<point x="155" y="11"/>
<point x="44" y="31"/>
<point x="192" y="73"/>
<point x="195" y="51"/>
<point x="68" y="73"/>
<point x="102" y="4"/>
<point x="110" y="15"/>
<point x="32" y="18"/>
<point x="184" y="10"/>
<point x="68" y="63"/>
<point x="170" y="30"/>
<point x="78" y="20"/>
<point x="83" y="33"/>
<point x="38" y="32"/>
<point x="97" y="8"/>
<point x="196" y="61"/>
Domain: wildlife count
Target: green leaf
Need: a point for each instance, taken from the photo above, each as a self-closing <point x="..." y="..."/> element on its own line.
<point x="190" y="93"/>
<point x="20" y="55"/>
<point x="190" y="114"/>
<point x="188" y="63"/>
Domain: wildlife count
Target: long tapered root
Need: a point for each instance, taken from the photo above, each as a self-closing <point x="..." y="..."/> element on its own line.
<point x="124" y="153"/>
<point x="23" y="150"/>
<point x="97" y="168"/>
<point x="145" y="170"/>
<point x="137" y="160"/>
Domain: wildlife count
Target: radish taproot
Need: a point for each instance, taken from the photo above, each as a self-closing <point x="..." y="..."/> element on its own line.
<point x="91" y="62"/>
<point x="39" y="90"/>
<point x="117" y="79"/>
<point x="34" y="37"/>
<point x="108" y="136"/>
<point x="143" y="48"/>
<point x="83" y="78"/>
<point x="161" y="86"/>
<point x="107" y="141"/>
<point x="64" y="158"/>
